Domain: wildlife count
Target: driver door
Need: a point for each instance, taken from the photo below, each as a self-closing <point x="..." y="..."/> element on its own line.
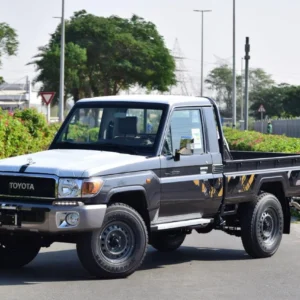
<point x="182" y="182"/>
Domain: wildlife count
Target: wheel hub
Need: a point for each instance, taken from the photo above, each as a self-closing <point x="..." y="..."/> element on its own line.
<point x="268" y="225"/>
<point x="116" y="242"/>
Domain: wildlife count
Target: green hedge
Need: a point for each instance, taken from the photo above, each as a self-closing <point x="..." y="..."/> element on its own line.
<point x="24" y="132"/>
<point x="27" y="131"/>
<point x="255" y="141"/>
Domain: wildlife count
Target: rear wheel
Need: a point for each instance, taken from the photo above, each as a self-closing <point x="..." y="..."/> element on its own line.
<point x="16" y="252"/>
<point x="262" y="226"/>
<point x="167" y="241"/>
<point x="118" y="248"/>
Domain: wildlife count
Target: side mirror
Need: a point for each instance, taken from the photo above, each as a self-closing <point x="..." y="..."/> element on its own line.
<point x="186" y="147"/>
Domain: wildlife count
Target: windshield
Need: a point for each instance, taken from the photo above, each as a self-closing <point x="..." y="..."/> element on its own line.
<point x="119" y="128"/>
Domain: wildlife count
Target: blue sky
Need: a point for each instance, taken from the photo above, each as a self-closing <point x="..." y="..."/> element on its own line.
<point x="272" y="25"/>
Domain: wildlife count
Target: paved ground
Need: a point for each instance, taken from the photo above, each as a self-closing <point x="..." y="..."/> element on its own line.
<point x="210" y="266"/>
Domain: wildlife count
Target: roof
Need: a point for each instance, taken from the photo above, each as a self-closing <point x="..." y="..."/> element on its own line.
<point x="13" y="87"/>
<point x="172" y="100"/>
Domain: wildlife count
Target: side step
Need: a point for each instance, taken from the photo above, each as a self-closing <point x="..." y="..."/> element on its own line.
<point x="179" y="224"/>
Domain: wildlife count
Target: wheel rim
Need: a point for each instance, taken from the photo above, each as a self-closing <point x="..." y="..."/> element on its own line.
<point x="269" y="226"/>
<point x="116" y="242"/>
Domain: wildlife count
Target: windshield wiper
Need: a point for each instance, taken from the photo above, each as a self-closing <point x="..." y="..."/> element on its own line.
<point x="125" y="148"/>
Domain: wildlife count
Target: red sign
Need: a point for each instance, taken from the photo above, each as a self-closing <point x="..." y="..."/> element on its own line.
<point x="261" y="108"/>
<point x="47" y="97"/>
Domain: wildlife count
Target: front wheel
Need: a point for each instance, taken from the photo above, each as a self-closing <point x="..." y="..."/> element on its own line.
<point x="17" y="252"/>
<point x="118" y="248"/>
<point x="262" y="226"/>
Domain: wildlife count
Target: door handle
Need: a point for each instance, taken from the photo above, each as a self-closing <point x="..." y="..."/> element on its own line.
<point x="172" y="173"/>
<point x="175" y="172"/>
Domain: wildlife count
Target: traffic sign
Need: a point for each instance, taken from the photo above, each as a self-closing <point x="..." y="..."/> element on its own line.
<point x="261" y="108"/>
<point x="47" y="97"/>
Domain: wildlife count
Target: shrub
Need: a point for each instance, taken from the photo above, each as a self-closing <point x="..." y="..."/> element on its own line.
<point x="15" y="139"/>
<point x="24" y="132"/>
<point x="27" y="131"/>
<point x="36" y="124"/>
<point x="255" y="141"/>
<point x="93" y="134"/>
<point x="33" y="120"/>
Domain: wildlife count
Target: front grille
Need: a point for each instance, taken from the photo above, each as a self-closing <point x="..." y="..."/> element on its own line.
<point x="27" y="186"/>
<point x="22" y="216"/>
<point x="33" y="216"/>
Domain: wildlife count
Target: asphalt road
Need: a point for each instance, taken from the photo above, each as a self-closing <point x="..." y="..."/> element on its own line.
<point x="212" y="266"/>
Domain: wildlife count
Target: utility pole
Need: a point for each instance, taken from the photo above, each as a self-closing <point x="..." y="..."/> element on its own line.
<point x="202" y="33"/>
<point x="242" y="84"/>
<point x="62" y="65"/>
<point x="247" y="58"/>
<point x="234" y="75"/>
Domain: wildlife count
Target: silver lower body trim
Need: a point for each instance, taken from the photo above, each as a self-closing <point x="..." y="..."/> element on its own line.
<point x="90" y="217"/>
<point x="181" y="224"/>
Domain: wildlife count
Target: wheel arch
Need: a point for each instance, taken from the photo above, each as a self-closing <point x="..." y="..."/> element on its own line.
<point x="277" y="187"/>
<point x="133" y="196"/>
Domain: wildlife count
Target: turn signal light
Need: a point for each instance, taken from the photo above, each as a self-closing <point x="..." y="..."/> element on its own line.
<point x="91" y="187"/>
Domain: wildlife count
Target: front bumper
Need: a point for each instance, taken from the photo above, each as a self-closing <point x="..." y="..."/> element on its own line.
<point x="51" y="218"/>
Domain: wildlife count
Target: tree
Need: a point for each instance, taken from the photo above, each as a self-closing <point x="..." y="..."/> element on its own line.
<point x="47" y="62"/>
<point x="271" y="98"/>
<point x="291" y="101"/>
<point x="259" y="79"/>
<point x="119" y="53"/>
<point x="8" y="42"/>
<point x="220" y="81"/>
<point x="282" y="100"/>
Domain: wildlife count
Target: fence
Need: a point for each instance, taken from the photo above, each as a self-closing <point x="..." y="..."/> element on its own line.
<point x="289" y="127"/>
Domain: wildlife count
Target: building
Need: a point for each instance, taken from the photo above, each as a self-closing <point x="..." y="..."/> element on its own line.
<point x="20" y="96"/>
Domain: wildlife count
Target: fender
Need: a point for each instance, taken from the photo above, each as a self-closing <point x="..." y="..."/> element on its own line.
<point x="131" y="188"/>
<point x="278" y="178"/>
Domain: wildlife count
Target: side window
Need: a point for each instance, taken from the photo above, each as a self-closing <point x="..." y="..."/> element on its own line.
<point x="152" y="119"/>
<point x="186" y="124"/>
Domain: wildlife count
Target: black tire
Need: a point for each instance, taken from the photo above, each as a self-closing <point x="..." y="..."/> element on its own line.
<point x="262" y="224"/>
<point x="167" y="241"/>
<point x="123" y="230"/>
<point x="16" y="253"/>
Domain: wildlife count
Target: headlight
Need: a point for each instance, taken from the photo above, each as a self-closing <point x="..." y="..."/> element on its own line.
<point x="75" y="188"/>
<point x="69" y="188"/>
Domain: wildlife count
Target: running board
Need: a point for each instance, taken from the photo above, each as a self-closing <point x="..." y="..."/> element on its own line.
<point x="180" y="224"/>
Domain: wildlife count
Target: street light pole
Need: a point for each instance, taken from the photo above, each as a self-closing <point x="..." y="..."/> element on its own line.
<point x="242" y="84"/>
<point x="202" y="34"/>
<point x="62" y="65"/>
<point x="233" y="73"/>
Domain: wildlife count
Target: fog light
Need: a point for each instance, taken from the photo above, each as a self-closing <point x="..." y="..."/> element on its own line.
<point x="72" y="219"/>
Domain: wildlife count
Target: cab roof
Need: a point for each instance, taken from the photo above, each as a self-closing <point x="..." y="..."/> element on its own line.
<point x="171" y="100"/>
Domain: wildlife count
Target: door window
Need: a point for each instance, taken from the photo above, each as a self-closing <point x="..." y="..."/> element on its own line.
<point x="185" y="125"/>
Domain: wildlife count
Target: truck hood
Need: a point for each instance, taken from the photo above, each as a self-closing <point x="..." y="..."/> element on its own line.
<point x="75" y="163"/>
